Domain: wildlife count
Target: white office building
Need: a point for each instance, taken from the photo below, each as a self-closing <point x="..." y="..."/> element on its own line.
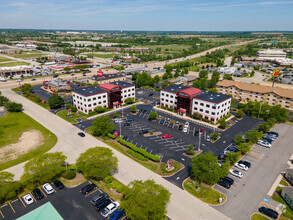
<point x="267" y="54"/>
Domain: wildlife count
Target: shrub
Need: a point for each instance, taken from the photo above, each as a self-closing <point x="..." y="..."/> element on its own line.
<point x="189" y="150"/>
<point x="120" y="188"/>
<point x="214" y="136"/>
<point x="137" y="155"/>
<point x="111" y="136"/>
<point x="139" y="150"/>
<point x="151" y="132"/>
<point x="115" y="184"/>
<point x="108" y="179"/>
<point x="69" y="174"/>
<point x="108" y="185"/>
<point x="239" y="114"/>
<point x="116" y="115"/>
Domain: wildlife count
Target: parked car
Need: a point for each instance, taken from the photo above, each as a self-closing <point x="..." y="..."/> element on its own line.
<point x="28" y="199"/>
<point x="264" y="143"/>
<point x="224" y="184"/>
<point x="162" y="121"/>
<point x="55" y="76"/>
<point x="99" y="197"/>
<point x="195" y="133"/>
<point x="180" y="127"/>
<point x="170" y="125"/>
<point x="270" y="137"/>
<point x="241" y="166"/>
<point x="151" y="94"/>
<point x="116" y="134"/>
<point x="229" y="180"/>
<point x="125" y="138"/>
<point x="231" y="149"/>
<point x="38" y="193"/>
<point x="168" y="119"/>
<point x="86" y="189"/>
<point x="202" y="130"/>
<point x="129" y="119"/>
<point x="269" y="212"/>
<point x="166" y="136"/>
<point x="127" y="124"/>
<point x="111" y="208"/>
<point x="273" y="133"/>
<point x="19" y="80"/>
<point x="48" y="188"/>
<point x="117" y="214"/>
<point x="236" y="173"/>
<point x="177" y="140"/>
<point x="185" y="130"/>
<point x="186" y="125"/>
<point x="166" y="123"/>
<point x="81" y="134"/>
<point x="102" y="204"/>
<point x="246" y="163"/>
<point x="143" y="131"/>
<point x="33" y="79"/>
<point x="58" y="184"/>
<point x="144" y="111"/>
<point x="176" y="122"/>
<point x="160" y="116"/>
<point x="222" y="157"/>
<point x="208" y="138"/>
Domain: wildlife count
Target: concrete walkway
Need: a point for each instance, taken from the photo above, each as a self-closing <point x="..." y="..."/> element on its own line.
<point x="182" y="205"/>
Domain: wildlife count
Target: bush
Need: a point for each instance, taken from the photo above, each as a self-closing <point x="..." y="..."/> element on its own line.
<point x="115" y="184"/>
<point x="139" y="150"/>
<point x="116" y="115"/>
<point x="108" y="179"/>
<point x="133" y="109"/>
<point x="239" y="114"/>
<point x="223" y="123"/>
<point x="111" y="136"/>
<point x="214" y="136"/>
<point x="13" y="107"/>
<point x="189" y="150"/>
<point x="137" y="155"/>
<point x="120" y="188"/>
<point x="129" y="101"/>
<point x="108" y="185"/>
<point x="69" y="174"/>
<point x="151" y="132"/>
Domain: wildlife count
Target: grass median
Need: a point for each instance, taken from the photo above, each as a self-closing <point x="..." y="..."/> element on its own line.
<point x="14" y="64"/>
<point x="257" y="216"/>
<point x="71" y="118"/>
<point x="12" y="128"/>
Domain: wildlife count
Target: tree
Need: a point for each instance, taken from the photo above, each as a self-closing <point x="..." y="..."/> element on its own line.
<point x="129" y="101"/>
<point x="9" y="187"/>
<point x="223" y="123"/>
<point x="253" y="135"/>
<point x="227" y="77"/>
<point x="133" y="108"/>
<point x="205" y="168"/>
<point x="214" y="136"/>
<point x="97" y="162"/>
<point x="164" y="85"/>
<point x="238" y="139"/>
<point x="13" y="107"/>
<point x="43" y="168"/>
<point x="3" y="100"/>
<point x="102" y="126"/>
<point x="265" y="127"/>
<point x="239" y="114"/>
<point x="244" y="148"/>
<point x="100" y="109"/>
<point x="153" y="115"/>
<point x="232" y="157"/>
<point x="145" y="200"/>
<point x="26" y="87"/>
<point x="203" y="74"/>
<point x="66" y="69"/>
<point x="116" y="115"/>
<point x="156" y="79"/>
<point x="189" y="150"/>
<point x="55" y="101"/>
<point x="215" y="78"/>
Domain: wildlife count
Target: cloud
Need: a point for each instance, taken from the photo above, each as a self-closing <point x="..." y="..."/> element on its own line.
<point x="19" y="4"/>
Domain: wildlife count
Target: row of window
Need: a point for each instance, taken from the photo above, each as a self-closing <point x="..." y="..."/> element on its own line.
<point x="95" y="98"/>
<point x="89" y="105"/>
<point x="208" y="112"/>
<point x="128" y="95"/>
<point x="167" y="95"/>
<point x="123" y="91"/>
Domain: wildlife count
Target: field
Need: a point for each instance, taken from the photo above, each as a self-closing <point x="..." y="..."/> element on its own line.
<point x="4" y="59"/>
<point x="105" y="56"/>
<point x="22" y="138"/>
<point x="28" y="55"/>
<point x="172" y="47"/>
<point x="14" y="64"/>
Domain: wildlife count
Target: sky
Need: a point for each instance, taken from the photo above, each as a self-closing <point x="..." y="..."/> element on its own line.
<point x="149" y="15"/>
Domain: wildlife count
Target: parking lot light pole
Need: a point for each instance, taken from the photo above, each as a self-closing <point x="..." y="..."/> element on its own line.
<point x="120" y="128"/>
<point x="199" y="137"/>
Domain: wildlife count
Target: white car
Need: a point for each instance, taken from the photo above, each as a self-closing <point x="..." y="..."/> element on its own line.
<point x="208" y="138"/>
<point x="110" y="209"/>
<point x="19" y="80"/>
<point x="118" y="120"/>
<point x="236" y="173"/>
<point x="48" y="188"/>
<point x="185" y="129"/>
<point x="241" y="166"/>
<point x="28" y="199"/>
<point x="186" y="125"/>
<point x="264" y="143"/>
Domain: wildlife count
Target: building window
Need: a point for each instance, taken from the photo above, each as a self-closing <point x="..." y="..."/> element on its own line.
<point x="95" y="104"/>
<point x="89" y="100"/>
<point x="162" y="99"/>
<point x="167" y="95"/>
<point x="196" y="103"/>
<point x="99" y="97"/>
<point x="94" y="99"/>
<point x="100" y="103"/>
<point x="104" y="96"/>
<point x="104" y="101"/>
<point x="171" y="101"/>
<point x="207" y="112"/>
<point x="207" y="106"/>
<point x="195" y="108"/>
<point x="201" y="104"/>
<point x="171" y="96"/>
<point x="213" y="107"/>
<point x="213" y="113"/>
<point x="201" y="110"/>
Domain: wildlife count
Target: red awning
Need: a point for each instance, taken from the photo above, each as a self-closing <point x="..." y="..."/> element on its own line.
<point x="116" y="103"/>
<point x="182" y="110"/>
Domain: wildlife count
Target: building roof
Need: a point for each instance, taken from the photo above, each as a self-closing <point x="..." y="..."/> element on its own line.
<point x="288" y="190"/>
<point x="108" y="86"/>
<point x="88" y="91"/>
<point x="287" y="93"/>
<point x="191" y="91"/>
<point x="212" y="97"/>
<point x="174" y="88"/>
<point x="290" y="171"/>
<point x="122" y="84"/>
<point x="57" y="83"/>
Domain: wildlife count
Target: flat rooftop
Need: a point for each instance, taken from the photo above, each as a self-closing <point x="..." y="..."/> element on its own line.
<point x="91" y="90"/>
<point x="175" y="88"/>
<point x="212" y="96"/>
<point x="122" y="84"/>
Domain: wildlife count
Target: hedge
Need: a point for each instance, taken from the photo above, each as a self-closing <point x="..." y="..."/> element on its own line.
<point x="108" y="179"/>
<point x="137" y="155"/>
<point x="120" y="188"/>
<point x="111" y="136"/>
<point x="139" y="150"/>
<point x="70" y="174"/>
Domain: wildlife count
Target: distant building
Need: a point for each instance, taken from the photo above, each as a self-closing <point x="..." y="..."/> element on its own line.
<point x="107" y="78"/>
<point x="260" y="93"/>
<point x="15" y="70"/>
<point x="264" y="54"/>
<point x="189" y="100"/>
<point x="111" y="95"/>
<point x="118" y="49"/>
<point x="56" y="86"/>
<point x="287" y="194"/>
<point x="289" y="175"/>
<point x="12" y="51"/>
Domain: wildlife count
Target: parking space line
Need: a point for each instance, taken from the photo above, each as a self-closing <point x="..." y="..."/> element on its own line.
<point x="1" y="214"/>
<point x="22" y="202"/>
<point x="267" y="205"/>
<point x="43" y="191"/>
<point x="33" y="197"/>
<point x="11" y="207"/>
<point x="92" y="192"/>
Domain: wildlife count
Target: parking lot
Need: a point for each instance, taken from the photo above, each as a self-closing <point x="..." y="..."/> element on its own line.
<point x="69" y="202"/>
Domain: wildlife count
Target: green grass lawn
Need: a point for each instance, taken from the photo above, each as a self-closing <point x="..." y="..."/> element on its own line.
<point x="11" y="127"/>
<point x="28" y="55"/>
<point x="257" y="216"/>
<point x="14" y="64"/>
<point x="284" y="183"/>
<point x="63" y="114"/>
<point x="105" y="56"/>
<point x="170" y="47"/>
<point x="289" y="212"/>
<point x="152" y="166"/>
<point x="207" y="195"/>
<point x="4" y="59"/>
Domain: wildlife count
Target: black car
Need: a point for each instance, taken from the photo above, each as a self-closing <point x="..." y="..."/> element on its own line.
<point x="124" y="138"/>
<point x="224" y="184"/>
<point x="170" y="125"/>
<point x="229" y="180"/>
<point x="127" y="124"/>
<point x="81" y="134"/>
<point x="222" y="157"/>
<point x="102" y="204"/>
<point x="58" y="184"/>
<point x="86" y="189"/>
<point x="99" y="197"/>
<point x="246" y="163"/>
<point x="273" y="133"/>
<point x="55" y="76"/>
<point x="166" y="123"/>
<point x="144" y="111"/>
<point x="180" y="127"/>
<point x="143" y="131"/>
<point x="38" y="193"/>
<point x="178" y="140"/>
<point x="269" y="212"/>
<point x="195" y="133"/>
<point x="151" y="94"/>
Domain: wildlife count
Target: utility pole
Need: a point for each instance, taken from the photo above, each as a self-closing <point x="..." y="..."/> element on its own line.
<point x="199" y="137"/>
<point x="120" y="128"/>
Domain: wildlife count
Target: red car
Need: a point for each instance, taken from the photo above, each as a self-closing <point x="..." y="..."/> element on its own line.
<point x="166" y="136"/>
<point x="202" y="130"/>
<point x="116" y="133"/>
